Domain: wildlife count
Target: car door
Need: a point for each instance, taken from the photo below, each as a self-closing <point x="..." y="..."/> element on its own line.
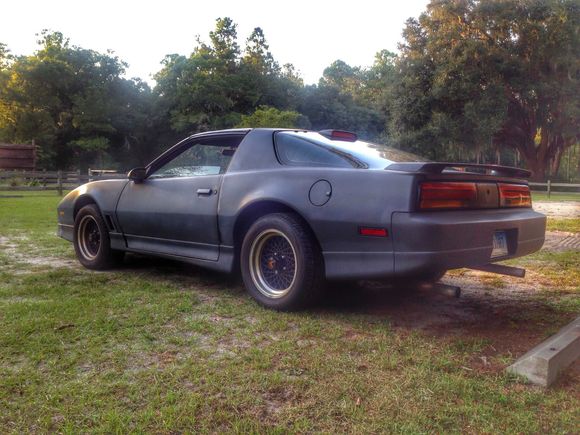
<point x="174" y="210"/>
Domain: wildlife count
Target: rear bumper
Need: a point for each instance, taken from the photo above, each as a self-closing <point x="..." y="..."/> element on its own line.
<point x="444" y="240"/>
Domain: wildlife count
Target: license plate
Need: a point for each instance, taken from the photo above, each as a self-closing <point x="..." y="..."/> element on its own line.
<point x="500" y="248"/>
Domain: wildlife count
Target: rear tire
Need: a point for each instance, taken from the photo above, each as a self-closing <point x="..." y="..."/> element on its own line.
<point x="281" y="263"/>
<point x="92" y="242"/>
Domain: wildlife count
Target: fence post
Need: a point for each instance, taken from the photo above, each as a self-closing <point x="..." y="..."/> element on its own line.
<point x="59" y="182"/>
<point x="549" y="187"/>
<point x="89" y="174"/>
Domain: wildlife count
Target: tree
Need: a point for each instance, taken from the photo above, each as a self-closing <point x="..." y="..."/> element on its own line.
<point x="257" y="54"/>
<point x="477" y="74"/>
<point x="378" y="86"/>
<point x="326" y="107"/>
<point x="216" y="85"/>
<point x="5" y="56"/>
<point x="339" y="101"/>
<point x="379" y="81"/>
<point x="342" y="76"/>
<point x="224" y="43"/>
<point x="262" y="81"/>
<point x="70" y="100"/>
<point x="266" y="116"/>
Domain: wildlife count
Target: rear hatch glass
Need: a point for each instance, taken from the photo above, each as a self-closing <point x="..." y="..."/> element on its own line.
<point x="357" y="154"/>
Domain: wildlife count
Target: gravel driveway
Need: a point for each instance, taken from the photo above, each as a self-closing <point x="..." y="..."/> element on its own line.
<point x="567" y="209"/>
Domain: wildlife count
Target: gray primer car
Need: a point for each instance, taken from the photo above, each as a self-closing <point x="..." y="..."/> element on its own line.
<point x="290" y="208"/>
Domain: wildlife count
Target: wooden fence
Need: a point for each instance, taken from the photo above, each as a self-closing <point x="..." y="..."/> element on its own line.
<point x="52" y="180"/>
<point x="549" y="187"/>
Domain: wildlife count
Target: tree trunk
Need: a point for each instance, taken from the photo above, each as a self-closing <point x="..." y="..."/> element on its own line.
<point x="537" y="167"/>
<point x="556" y="161"/>
<point x="539" y="157"/>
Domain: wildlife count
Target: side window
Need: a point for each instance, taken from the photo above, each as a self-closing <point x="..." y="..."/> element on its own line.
<point x="199" y="159"/>
<point x="295" y="151"/>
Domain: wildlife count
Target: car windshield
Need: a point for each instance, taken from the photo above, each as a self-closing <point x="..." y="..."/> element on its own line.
<point x="358" y="154"/>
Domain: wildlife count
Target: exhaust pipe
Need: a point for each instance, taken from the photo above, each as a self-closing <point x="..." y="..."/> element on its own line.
<point x="452" y="290"/>
<point x="518" y="272"/>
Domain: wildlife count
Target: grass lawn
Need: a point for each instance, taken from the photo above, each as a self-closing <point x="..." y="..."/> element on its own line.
<point x="156" y="346"/>
<point x="571" y="225"/>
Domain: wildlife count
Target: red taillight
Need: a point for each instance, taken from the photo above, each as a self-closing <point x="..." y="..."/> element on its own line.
<point x="339" y="135"/>
<point x="447" y="195"/>
<point x="514" y="195"/>
<point x="376" y="232"/>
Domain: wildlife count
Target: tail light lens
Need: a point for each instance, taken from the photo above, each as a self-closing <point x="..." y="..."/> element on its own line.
<point x="514" y="195"/>
<point x="447" y="195"/>
<point x="375" y="232"/>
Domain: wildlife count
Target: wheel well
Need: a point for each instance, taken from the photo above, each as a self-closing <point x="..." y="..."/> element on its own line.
<point x="81" y="202"/>
<point x="255" y="211"/>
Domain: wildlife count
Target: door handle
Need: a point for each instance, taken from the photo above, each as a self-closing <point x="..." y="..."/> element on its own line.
<point x="204" y="191"/>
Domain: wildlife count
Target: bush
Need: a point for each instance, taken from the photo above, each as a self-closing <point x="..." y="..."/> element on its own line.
<point x="16" y="182"/>
<point x="266" y="116"/>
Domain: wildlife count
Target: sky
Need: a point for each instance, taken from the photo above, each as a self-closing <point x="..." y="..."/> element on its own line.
<point x="309" y="34"/>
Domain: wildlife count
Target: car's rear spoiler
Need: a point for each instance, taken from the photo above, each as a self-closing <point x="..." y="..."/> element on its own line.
<point x="437" y="168"/>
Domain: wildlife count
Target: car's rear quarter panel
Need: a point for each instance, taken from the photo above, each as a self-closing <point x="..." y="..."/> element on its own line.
<point x="359" y="198"/>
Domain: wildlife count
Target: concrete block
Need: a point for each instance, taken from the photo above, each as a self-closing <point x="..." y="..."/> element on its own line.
<point x="543" y="363"/>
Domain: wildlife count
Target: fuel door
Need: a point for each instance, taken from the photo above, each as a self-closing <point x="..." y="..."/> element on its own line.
<point x="320" y="193"/>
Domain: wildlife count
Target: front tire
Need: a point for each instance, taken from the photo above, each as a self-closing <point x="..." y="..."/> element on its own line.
<point x="281" y="263"/>
<point x="92" y="242"/>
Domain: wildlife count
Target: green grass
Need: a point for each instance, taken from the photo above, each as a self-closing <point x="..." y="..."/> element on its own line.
<point x="571" y="225"/>
<point x="32" y="216"/>
<point x="555" y="196"/>
<point x="561" y="268"/>
<point x="160" y="347"/>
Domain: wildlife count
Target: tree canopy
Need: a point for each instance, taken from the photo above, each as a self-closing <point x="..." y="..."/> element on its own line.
<point x="476" y="74"/>
<point x="73" y="102"/>
<point x="271" y="117"/>
<point x="473" y="81"/>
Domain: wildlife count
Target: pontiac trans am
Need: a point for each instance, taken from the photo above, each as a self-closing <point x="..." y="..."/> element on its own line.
<point x="291" y="208"/>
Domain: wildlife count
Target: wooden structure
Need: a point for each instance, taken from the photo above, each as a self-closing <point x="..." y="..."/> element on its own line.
<point x="18" y="157"/>
<point x="549" y="186"/>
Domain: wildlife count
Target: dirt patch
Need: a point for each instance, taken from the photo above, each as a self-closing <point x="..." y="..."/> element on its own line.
<point x="275" y="401"/>
<point x="12" y="247"/>
<point x="570" y="209"/>
<point x="422" y="307"/>
<point x="501" y="322"/>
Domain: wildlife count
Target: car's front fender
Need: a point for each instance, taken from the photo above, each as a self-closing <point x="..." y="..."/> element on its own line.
<point x="104" y="193"/>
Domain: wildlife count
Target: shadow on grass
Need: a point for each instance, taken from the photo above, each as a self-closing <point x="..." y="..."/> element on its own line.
<point x="180" y="273"/>
<point x="510" y="319"/>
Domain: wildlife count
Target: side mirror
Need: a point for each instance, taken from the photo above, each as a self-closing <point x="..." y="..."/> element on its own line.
<point x="137" y="174"/>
